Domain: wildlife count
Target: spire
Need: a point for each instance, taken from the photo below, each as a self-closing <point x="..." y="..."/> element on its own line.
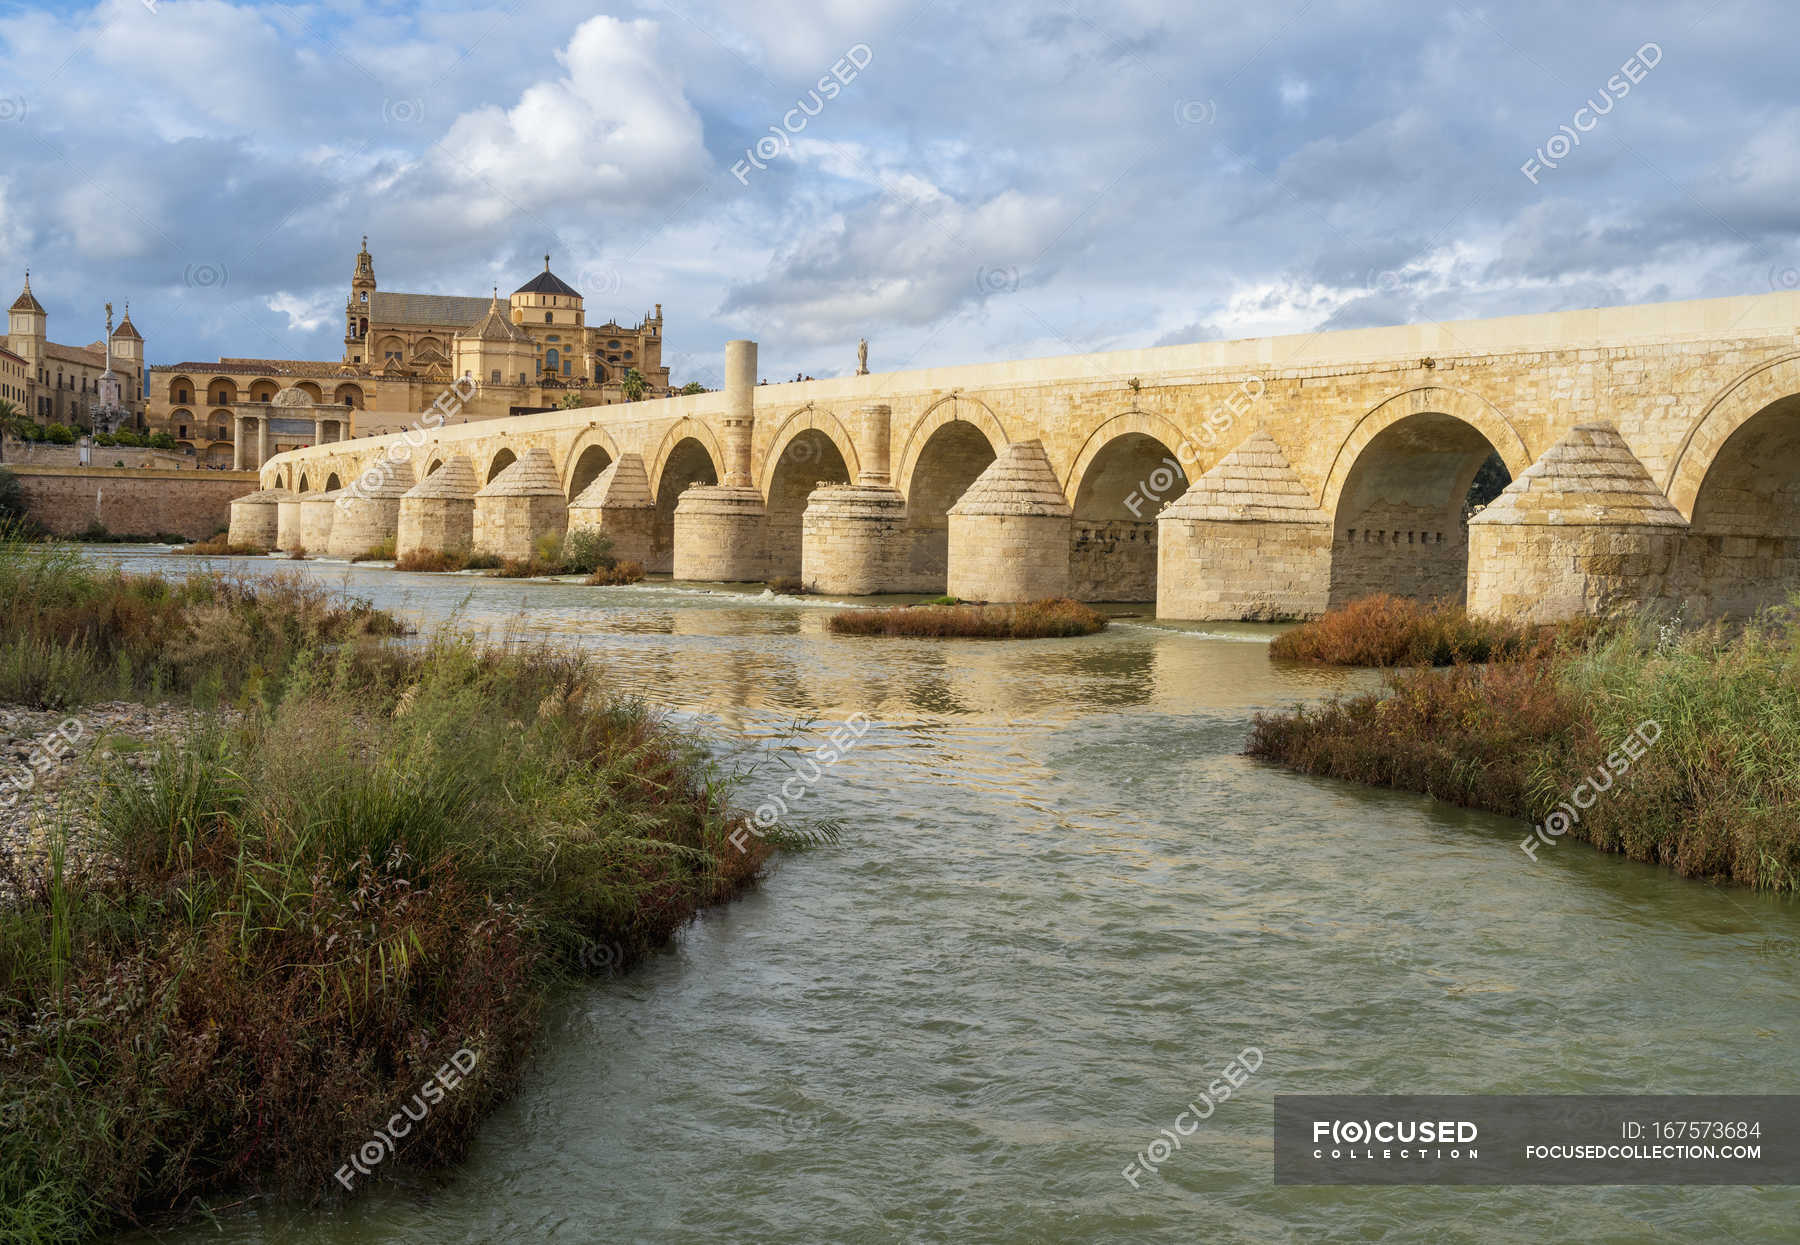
<point x="546" y="263"/>
<point x="26" y="301"/>
<point x="126" y="327"/>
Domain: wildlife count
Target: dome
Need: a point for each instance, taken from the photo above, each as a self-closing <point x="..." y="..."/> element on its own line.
<point x="547" y="282"/>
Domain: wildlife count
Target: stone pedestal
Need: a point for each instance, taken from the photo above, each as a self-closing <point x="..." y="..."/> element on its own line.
<point x="369" y="510"/>
<point x="720" y="535"/>
<point x="520" y="507"/>
<point x="853" y="538"/>
<point x="288" y="523"/>
<point x="437" y="515"/>
<point x="1583" y="531"/>
<point x="317" y="513"/>
<point x="854" y="542"/>
<point x="256" y="519"/>
<point x="1010" y="533"/>
<point x="1246" y="542"/>
<point x="619" y="504"/>
<point x="721" y="530"/>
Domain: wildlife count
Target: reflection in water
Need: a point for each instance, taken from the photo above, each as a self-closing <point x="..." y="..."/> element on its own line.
<point x="1063" y="901"/>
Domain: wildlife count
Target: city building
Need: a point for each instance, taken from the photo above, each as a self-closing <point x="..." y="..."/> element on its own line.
<point x="70" y="384"/>
<point x="402" y="352"/>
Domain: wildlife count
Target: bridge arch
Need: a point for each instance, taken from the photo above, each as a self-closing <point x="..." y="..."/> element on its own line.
<point x="689" y="455"/>
<point x="1738" y="403"/>
<point x="593" y="452"/>
<point x="503" y="458"/>
<point x="809" y="418"/>
<point x="1398" y="489"/>
<point x="684" y="429"/>
<point x="332" y="483"/>
<point x="812" y="447"/>
<point x="946" y="449"/>
<point x="1736" y="477"/>
<point x="1129" y="469"/>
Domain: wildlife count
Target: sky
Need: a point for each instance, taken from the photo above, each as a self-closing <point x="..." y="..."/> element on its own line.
<point x="957" y="183"/>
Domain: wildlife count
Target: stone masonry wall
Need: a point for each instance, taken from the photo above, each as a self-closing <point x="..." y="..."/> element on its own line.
<point x="197" y="504"/>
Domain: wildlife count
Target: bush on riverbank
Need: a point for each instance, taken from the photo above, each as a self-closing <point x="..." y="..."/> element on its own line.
<point x="1384" y="630"/>
<point x="1716" y="795"/>
<point x="616" y="575"/>
<point x="1035" y="620"/>
<point x="262" y="947"/>
<point x="72" y="631"/>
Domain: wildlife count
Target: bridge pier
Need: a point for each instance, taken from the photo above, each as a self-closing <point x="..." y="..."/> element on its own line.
<point x="437" y="515"/>
<point x="1246" y="542"/>
<point x="1583" y="531"/>
<point x="317" y="513"/>
<point x="256" y="519"/>
<point x="853" y="537"/>
<point x="721" y="531"/>
<point x="519" y="507"/>
<point x="288" y="523"/>
<point x="369" y="510"/>
<point x="618" y="502"/>
<point x="1010" y="532"/>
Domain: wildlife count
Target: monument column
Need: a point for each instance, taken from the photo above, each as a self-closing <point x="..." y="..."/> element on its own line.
<point x="720" y="529"/>
<point x="240" y="434"/>
<point x="262" y="440"/>
<point x="853" y="538"/>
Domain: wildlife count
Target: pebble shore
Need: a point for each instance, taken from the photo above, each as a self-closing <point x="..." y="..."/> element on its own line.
<point x="51" y="760"/>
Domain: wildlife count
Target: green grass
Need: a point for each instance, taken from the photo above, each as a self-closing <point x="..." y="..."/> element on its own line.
<point x="1716" y="796"/>
<point x="380" y="855"/>
<point x="1034" y="620"/>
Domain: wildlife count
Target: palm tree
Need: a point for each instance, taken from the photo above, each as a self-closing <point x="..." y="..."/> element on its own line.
<point x="633" y="385"/>
<point x="10" y="420"/>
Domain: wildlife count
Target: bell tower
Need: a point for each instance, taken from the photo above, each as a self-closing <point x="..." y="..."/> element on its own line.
<point x="356" y="308"/>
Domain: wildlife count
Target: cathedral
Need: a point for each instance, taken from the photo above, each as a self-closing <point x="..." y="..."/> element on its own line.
<point x="540" y="336"/>
<point x="534" y="352"/>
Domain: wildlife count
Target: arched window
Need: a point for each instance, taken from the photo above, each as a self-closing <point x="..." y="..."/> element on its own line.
<point x="549" y="317"/>
<point x="550" y="359"/>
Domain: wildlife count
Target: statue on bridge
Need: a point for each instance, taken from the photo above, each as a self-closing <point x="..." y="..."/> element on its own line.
<point x="862" y="357"/>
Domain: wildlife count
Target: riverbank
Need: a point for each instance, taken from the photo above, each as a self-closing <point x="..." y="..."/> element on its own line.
<point x="1677" y="749"/>
<point x="294" y="925"/>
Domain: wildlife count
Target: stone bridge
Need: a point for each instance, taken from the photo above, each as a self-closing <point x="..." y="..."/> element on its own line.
<point x="1654" y="453"/>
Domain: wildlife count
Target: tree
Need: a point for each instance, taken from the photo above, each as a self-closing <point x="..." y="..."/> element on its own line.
<point x="570" y="402"/>
<point x="11" y="420"/>
<point x="633" y="385"/>
<point x="692" y="387"/>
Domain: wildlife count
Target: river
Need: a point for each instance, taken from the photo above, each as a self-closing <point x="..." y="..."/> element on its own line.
<point x="1062" y="903"/>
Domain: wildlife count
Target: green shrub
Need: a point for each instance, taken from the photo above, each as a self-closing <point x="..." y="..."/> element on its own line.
<point x="586" y="550"/>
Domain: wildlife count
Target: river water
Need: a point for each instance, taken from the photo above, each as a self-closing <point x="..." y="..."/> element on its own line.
<point x="1062" y="903"/>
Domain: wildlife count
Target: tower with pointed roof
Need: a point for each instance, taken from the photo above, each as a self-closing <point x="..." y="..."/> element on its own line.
<point x="357" y="306"/>
<point x="27" y="327"/>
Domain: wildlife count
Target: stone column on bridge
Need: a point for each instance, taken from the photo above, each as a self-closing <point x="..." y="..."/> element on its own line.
<point x="437" y="515"/>
<point x="1010" y="532"/>
<point x="1247" y="542"/>
<point x="618" y="502"/>
<point x="853" y="537"/>
<point x="721" y="529"/>
<point x="1583" y="531"/>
